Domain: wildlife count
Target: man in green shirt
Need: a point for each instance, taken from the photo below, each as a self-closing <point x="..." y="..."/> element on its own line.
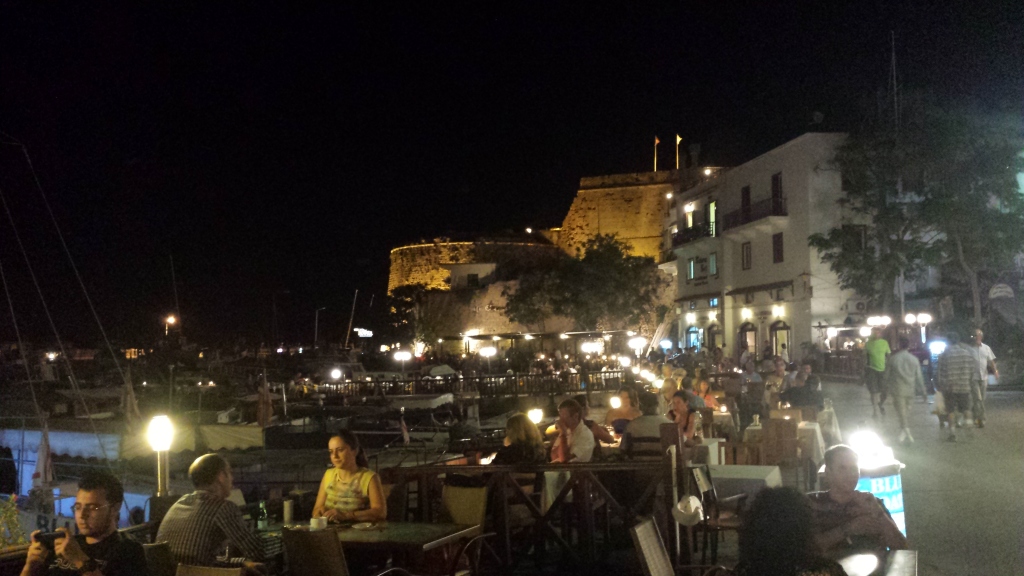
<point x="877" y="350"/>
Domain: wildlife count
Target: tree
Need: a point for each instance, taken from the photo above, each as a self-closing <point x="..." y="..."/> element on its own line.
<point x="602" y="288"/>
<point x="885" y="237"/>
<point x="938" y="188"/>
<point x="972" y="195"/>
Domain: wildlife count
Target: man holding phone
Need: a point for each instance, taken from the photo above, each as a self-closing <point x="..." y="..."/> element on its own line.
<point x="98" y="549"/>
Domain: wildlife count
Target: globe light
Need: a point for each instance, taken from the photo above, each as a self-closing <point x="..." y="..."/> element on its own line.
<point x="658" y="383"/>
<point x="937" y="347"/>
<point x="885" y="320"/>
<point x="865" y="331"/>
<point x="665" y="344"/>
<point x="535" y="415"/>
<point x="403" y="356"/>
<point x="615" y="402"/>
<point x="335" y="374"/>
<point x="778" y="311"/>
<point x="171" y="319"/>
<point x="160" y="433"/>
<point x="832" y="332"/>
<point x="712" y="316"/>
<point x="746" y="313"/>
<point x="637" y="343"/>
<point x="635" y="369"/>
<point x="488" y="351"/>
<point x="924" y="318"/>
<point x="910" y="319"/>
<point x="625" y="361"/>
<point x="691" y="318"/>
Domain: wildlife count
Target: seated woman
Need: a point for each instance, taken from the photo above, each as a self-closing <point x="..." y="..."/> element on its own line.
<point x="704" y="393"/>
<point x="523" y="444"/>
<point x="777" y="538"/>
<point x="349" y="492"/>
<point x="685" y="416"/>
<point x="619" y="418"/>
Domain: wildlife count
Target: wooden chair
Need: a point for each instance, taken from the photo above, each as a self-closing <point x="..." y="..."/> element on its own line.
<point x="186" y="570"/>
<point x="707" y="416"/>
<point x="781" y="447"/>
<point x="642" y="447"/>
<point x="313" y="554"/>
<point x="654" y="558"/>
<point x="159" y="559"/>
<point x="467" y="505"/>
<point x="738" y="453"/>
<point x="719" y="515"/>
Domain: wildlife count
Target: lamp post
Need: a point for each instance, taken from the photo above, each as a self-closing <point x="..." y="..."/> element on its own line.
<point x="488" y="352"/>
<point x="316" y="328"/>
<point x="171" y="320"/>
<point x="402" y="356"/>
<point x="160" y="434"/>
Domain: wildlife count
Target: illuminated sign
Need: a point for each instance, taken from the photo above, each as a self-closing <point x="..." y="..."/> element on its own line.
<point x="364" y="333"/>
<point x="890" y="490"/>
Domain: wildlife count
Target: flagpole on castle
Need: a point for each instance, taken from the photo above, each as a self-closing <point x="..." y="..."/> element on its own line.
<point x="656" y="142"/>
<point x="678" y="140"/>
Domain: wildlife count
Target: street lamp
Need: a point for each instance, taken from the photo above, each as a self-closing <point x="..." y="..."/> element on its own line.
<point x="168" y="322"/>
<point x="402" y="356"/>
<point x="160" y="434"/>
<point x="535" y="415"/>
<point x="316" y="328"/>
<point x="488" y="352"/>
<point x="637" y="344"/>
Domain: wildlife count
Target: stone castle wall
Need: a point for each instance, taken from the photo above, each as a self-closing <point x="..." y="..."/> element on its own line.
<point x="422" y="263"/>
<point x="630" y="206"/>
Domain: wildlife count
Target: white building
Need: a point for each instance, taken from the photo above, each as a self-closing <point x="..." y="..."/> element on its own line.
<point x="745" y="271"/>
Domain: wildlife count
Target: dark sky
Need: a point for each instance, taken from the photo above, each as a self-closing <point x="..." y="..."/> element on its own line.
<point x="287" y="148"/>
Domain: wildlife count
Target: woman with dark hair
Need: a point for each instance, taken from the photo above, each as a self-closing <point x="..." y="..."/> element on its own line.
<point x="685" y="416"/>
<point x="350" y="491"/>
<point x="778" y="538"/>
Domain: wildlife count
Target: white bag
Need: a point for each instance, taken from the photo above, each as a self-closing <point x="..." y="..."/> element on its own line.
<point x="940" y="404"/>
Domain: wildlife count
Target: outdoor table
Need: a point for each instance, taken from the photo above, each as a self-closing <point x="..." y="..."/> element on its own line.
<point x="893" y="563"/>
<point x="733" y="479"/>
<point x="808" y="432"/>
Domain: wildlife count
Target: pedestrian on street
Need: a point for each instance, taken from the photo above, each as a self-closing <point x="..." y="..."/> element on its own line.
<point x="877" y="351"/>
<point x="903" y="376"/>
<point x="958" y="373"/>
<point x="986" y="365"/>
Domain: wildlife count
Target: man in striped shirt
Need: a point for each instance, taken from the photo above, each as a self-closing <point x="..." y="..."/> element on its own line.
<point x="198" y="526"/>
<point x="958" y="372"/>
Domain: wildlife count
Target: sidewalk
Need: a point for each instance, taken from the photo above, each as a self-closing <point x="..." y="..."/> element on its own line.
<point x="964" y="501"/>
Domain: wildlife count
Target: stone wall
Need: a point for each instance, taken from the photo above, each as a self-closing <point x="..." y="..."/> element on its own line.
<point x="422" y="263"/>
<point x="630" y="206"/>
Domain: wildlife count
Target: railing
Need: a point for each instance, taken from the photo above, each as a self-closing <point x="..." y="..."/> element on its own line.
<point x="687" y="235"/>
<point x="756" y="211"/>
<point x="488" y="386"/>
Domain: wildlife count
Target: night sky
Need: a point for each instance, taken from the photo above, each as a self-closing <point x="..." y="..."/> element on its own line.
<point x="273" y="149"/>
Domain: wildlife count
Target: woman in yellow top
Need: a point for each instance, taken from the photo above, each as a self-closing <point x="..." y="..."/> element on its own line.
<point x="349" y="492"/>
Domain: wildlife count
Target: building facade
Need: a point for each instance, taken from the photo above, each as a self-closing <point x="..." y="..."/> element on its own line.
<point x="744" y="270"/>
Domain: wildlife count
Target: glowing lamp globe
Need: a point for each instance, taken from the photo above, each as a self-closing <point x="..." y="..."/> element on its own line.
<point x="160" y="433"/>
<point x="615" y="402"/>
<point x="535" y="415"/>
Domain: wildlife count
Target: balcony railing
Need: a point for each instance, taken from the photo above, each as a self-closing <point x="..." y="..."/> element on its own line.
<point x="756" y="211"/>
<point x="687" y="235"/>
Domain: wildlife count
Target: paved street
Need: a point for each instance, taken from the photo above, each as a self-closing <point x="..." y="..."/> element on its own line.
<point x="965" y="501"/>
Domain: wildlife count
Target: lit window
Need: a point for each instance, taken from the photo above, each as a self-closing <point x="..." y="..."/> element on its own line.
<point x="691" y="265"/>
<point x="713" y="264"/>
<point x="713" y="302"/>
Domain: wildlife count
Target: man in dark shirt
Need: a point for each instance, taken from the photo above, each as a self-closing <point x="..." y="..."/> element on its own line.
<point x="198" y="525"/>
<point x="98" y="549"/>
<point x="802" y="394"/>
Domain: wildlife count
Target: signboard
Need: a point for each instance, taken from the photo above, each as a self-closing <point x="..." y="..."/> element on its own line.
<point x="1000" y="291"/>
<point x="364" y="333"/>
<point x="890" y="490"/>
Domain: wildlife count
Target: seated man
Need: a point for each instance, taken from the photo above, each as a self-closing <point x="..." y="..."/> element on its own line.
<point x="98" y="549"/>
<point x="847" y="520"/>
<point x="646" y="426"/>
<point x="802" y="394"/>
<point x="198" y="525"/>
<point x="575" y="442"/>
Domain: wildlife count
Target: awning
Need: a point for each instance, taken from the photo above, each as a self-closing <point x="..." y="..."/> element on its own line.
<point x="700" y="296"/>
<point x="760" y="288"/>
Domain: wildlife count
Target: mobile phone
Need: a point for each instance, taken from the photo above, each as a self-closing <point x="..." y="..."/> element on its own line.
<point x="48" y="539"/>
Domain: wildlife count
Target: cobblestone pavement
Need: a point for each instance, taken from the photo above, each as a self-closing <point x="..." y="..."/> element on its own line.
<point x="964" y="502"/>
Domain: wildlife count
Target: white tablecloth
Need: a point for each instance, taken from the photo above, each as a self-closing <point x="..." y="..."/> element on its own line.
<point x="740" y="479"/>
<point x="830" y="425"/>
<point x="712" y="444"/>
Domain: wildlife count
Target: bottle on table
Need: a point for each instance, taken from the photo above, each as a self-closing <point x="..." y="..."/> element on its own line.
<point x="261" y="517"/>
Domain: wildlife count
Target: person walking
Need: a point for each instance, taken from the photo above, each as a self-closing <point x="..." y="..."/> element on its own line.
<point x="957" y="374"/>
<point x="877" y="351"/>
<point x="986" y="365"/>
<point x="903" y="377"/>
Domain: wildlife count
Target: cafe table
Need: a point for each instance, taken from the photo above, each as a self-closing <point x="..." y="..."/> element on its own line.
<point x="892" y="563"/>
<point x="411" y="540"/>
<point x="733" y="479"/>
